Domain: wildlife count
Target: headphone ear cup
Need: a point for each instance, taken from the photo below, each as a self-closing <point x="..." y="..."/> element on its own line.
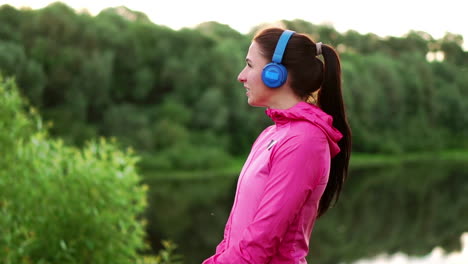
<point x="274" y="75"/>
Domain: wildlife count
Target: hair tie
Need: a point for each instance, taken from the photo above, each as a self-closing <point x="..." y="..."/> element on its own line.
<point x="318" y="47"/>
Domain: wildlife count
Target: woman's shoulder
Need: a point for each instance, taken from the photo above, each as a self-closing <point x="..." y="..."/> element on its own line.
<point x="305" y="129"/>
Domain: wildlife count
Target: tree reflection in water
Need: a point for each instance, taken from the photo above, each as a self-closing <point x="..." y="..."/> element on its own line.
<point x="437" y="256"/>
<point x="408" y="209"/>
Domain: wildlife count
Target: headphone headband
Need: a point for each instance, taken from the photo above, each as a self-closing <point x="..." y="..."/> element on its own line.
<point x="281" y="46"/>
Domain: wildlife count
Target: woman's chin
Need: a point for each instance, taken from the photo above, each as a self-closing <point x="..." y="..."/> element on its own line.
<point x="251" y="102"/>
<point x="254" y="103"/>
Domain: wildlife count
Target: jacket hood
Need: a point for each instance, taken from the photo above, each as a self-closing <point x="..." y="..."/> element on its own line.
<point x="312" y="114"/>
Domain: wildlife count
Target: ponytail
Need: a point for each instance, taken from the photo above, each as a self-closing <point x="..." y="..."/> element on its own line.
<point x="330" y="100"/>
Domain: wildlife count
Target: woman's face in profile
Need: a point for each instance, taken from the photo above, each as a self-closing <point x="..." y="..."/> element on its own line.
<point x="257" y="92"/>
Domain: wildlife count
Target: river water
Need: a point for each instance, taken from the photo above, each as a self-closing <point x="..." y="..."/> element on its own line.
<point x="436" y="256"/>
<point x="415" y="212"/>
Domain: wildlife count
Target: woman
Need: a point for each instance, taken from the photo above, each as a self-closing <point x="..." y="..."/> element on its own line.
<point x="297" y="166"/>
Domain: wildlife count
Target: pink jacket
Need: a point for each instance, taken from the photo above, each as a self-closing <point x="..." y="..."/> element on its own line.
<point x="279" y="189"/>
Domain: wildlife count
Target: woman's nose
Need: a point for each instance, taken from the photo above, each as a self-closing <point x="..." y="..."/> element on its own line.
<point x="241" y="77"/>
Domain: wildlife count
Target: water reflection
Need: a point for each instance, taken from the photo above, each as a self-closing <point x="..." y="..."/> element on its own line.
<point x="411" y="208"/>
<point x="437" y="256"/>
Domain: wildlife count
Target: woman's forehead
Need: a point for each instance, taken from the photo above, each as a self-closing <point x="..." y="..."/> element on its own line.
<point x="254" y="52"/>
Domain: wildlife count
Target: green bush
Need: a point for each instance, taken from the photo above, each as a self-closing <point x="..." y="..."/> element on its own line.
<point x="60" y="204"/>
<point x="165" y="256"/>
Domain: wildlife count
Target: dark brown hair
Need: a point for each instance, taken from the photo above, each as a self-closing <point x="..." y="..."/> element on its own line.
<point x="308" y="75"/>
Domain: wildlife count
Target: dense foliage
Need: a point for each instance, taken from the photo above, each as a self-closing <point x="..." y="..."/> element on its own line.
<point x="60" y="204"/>
<point x="173" y="95"/>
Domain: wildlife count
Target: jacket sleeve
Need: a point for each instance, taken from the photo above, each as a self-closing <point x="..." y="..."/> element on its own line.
<point x="296" y="166"/>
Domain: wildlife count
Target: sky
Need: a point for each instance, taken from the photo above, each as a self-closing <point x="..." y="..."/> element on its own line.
<point x="384" y="18"/>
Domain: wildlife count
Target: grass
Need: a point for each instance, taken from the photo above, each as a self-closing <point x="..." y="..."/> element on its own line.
<point x="366" y="160"/>
<point x="358" y="160"/>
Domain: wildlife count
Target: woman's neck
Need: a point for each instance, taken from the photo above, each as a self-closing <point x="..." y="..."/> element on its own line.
<point x="284" y="101"/>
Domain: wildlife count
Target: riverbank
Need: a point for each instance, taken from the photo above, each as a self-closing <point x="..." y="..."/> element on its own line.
<point x="358" y="160"/>
<point x="366" y="160"/>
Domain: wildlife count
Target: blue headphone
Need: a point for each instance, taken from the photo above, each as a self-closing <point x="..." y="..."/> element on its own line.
<point x="274" y="74"/>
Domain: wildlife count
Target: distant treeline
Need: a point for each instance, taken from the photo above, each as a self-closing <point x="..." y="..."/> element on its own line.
<point x="173" y="95"/>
